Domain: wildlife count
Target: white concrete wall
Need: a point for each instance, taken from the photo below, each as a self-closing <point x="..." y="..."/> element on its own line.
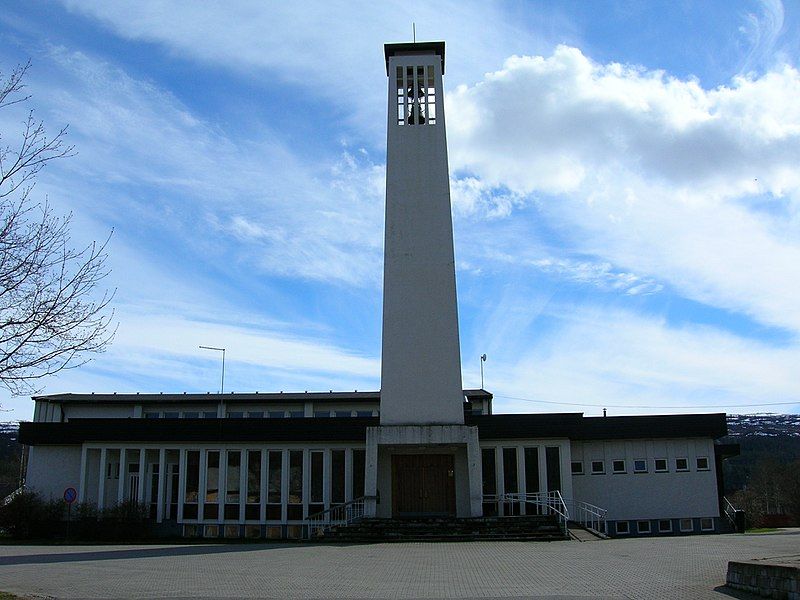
<point x="421" y="361"/>
<point x="52" y="469"/>
<point x="650" y="495"/>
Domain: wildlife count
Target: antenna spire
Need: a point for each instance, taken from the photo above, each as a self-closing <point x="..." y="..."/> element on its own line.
<point x="414" y="31"/>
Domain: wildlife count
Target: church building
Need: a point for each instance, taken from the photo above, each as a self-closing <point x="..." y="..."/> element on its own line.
<point x="291" y="465"/>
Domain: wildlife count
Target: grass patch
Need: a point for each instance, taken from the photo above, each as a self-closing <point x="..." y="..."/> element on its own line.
<point x="762" y="530"/>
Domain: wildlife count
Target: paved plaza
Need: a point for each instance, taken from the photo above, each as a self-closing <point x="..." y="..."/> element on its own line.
<point x="679" y="567"/>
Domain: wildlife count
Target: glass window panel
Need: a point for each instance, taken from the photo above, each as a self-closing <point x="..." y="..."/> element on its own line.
<point x="151" y="415"/>
<point x="254" y="477"/>
<point x="317" y="471"/>
<point x="191" y="415"/>
<point x="359" y="464"/>
<point x="257" y="414"/>
<point x="233" y="476"/>
<point x="212" y="476"/>
<point x="552" y="457"/>
<point x="276" y="414"/>
<point x="275" y="476"/>
<point x="337" y="476"/>
<point x="489" y="471"/>
<point x="322" y="413"/>
<point x="170" y="415"/>
<point x="296" y="477"/>
<point x="210" y="414"/>
<point x="510" y="470"/>
<point x="531" y="470"/>
<point x="192" y="475"/>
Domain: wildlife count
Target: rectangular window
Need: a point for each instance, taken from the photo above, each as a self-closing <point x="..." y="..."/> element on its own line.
<point x="274" y="483"/>
<point x="276" y="414"/>
<point x="702" y="463"/>
<point x="643" y="526"/>
<point x="236" y="414"/>
<point x="416" y="95"/>
<point x="233" y="484"/>
<point x="192" y="484"/>
<point x="191" y="415"/>
<point x="622" y="528"/>
<point x="363" y="413"/>
<point x="687" y="525"/>
<point x="296" y="414"/>
<point x="681" y="464"/>
<point x="661" y="465"/>
<point x="255" y="414"/>
<point x="640" y="465"/>
<point x="317" y="473"/>
<point x="598" y="467"/>
<point x="489" y="467"/>
<point x="511" y="484"/>
<point x="253" y="501"/>
<point x="211" y="509"/>
<point x="322" y="413"/>
<point x="706" y="524"/>
<point x="359" y="467"/>
<point x="532" y="470"/>
<point x="552" y="457"/>
<point x="337" y="477"/>
<point x="343" y="413"/>
<point x="151" y="415"/>
<point x="577" y="467"/>
<point x="171" y="415"/>
<point x="618" y="466"/>
<point x="210" y="414"/>
<point x="664" y="526"/>
<point x="295" y="485"/>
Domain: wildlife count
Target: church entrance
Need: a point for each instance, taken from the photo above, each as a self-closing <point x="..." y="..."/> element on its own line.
<point x="423" y="485"/>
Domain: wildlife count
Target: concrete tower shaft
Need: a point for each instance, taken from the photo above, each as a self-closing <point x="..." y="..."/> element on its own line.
<point x="421" y="361"/>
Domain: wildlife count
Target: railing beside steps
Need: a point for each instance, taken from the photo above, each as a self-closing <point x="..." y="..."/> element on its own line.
<point x="341" y="514"/>
<point x="735" y="516"/>
<point x="12" y="495"/>
<point x="587" y="515"/>
<point x="538" y="503"/>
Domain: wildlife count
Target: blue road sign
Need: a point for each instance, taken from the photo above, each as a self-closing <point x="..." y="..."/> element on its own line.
<point x="70" y="495"/>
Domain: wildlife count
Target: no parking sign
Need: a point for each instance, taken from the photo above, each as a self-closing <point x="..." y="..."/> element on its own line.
<point x="70" y="495"/>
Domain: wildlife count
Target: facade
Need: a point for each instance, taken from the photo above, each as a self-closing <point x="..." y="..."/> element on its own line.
<point x="263" y="465"/>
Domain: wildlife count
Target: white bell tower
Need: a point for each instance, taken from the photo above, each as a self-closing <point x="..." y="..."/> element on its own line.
<point x="421" y="359"/>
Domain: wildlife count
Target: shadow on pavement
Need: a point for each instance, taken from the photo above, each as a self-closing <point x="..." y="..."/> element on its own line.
<point x="123" y="554"/>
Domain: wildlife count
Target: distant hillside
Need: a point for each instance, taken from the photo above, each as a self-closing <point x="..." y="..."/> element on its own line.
<point x="763" y="438"/>
<point x="9" y="458"/>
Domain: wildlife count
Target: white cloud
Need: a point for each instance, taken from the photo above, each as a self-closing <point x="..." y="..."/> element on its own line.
<point x="649" y="173"/>
<point x="619" y="358"/>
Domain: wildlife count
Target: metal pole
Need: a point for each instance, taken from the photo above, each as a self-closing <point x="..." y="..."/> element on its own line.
<point x="483" y="360"/>
<point x="222" y="386"/>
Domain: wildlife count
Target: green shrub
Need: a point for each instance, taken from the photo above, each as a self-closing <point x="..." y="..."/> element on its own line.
<point x="27" y="516"/>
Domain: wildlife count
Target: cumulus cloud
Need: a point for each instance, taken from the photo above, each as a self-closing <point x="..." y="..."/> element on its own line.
<point x="647" y="172"/>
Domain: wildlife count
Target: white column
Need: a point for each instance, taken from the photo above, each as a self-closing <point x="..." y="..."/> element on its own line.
<point x="121" y="483"/>
<point x="201" y="492"/>
<point x="475" y="470"/>
<point x="371" y="476"/>
<point x="348" y="474"/>
<point x="82" y="479"/>
<point x="223" y="485"/>
<point x="521" y="480"/>
<point x="327" y="480"/>
<point x="285" y="485"/>
<point x="181" y="483"/>
<point x="543" y="468"/>
<point x="101" y="488"/>
<point x="501" y="480"/>
<point x="142" y="475"/>
<point x="162" y="467"/>
<point x="306" y="480"/>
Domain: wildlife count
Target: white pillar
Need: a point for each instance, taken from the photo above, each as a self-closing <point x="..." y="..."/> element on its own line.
<point x="142" y="475"/>
<point x="121" y="482"/>
<point x="223" y="485"/>
<point x="348" y="474"/>
<point x="101" y="488"/>
<point x="371" y="476"/>
<point x="181" y="483"/>
<point x="82" y="479"/>
<point x="264" y="487"/>
<point x="162" y="467"/>
<point x="244" y="463"/>
<point x="201" y="492"/>
<point x="475" y="470"/>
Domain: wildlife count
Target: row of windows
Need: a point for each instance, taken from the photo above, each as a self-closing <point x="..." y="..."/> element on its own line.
<point x="640" y="465"/>
<point x="256" y="414"/>
<point x="663" y="526"/>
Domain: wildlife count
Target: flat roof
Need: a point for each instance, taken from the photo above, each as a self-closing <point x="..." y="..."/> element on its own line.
<point x="413" y="48"/>
<point x="246" y="398"/>
<point x="573" y="426"/>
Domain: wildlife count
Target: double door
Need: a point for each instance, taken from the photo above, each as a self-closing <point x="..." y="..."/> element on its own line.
<point x="423" y="485"/>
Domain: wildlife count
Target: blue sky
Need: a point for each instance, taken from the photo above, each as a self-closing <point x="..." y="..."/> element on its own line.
<point x="624" y="179"/>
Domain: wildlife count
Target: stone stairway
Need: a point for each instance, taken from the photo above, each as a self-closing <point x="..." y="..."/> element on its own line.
<point x="448" y="529"/>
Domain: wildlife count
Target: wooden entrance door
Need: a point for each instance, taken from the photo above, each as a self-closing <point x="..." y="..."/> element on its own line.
<point x="423" y="485"/>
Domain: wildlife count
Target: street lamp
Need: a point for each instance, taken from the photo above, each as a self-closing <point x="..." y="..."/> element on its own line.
<point x="483" y="360"/>
<point x="222" y="385"/>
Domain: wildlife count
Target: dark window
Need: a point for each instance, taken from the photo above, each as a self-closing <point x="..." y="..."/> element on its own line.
<point x="640" y="465"/>
<point x="359" y="465"/>
<point x="296" y="414"/>
<point x="510" y="482"/>
<point x="532" y="470"/>
<point x="661" y="465"/>
<point x="236" y="415"/>
<point x="257" y="414"/>
<point x="643" y="526"/>
<point x="598" y="467"/>
<point x="296" y="477"/>
<point x="275" y="476"/>
<point x="664" y="526"/>
<point x="170" y="415"/>
<point x="322" y="413"/>
<point x="317" y="470"/>
<point x="489" y="467"/>
<point x="553" y="460"/>
<point x="210" y="414"/>
<point x="337" y="476"/>
<point x="618" y="466"/>
<point x="191" y="415"/>
<point x="192" y="475"/>
<point x="681" y="464"/>
<point x="151" y="415"/>
<point x="622" y="527"/>
<point x="276" y="414"/>
<point x="363" y="413"/>
<point x="212" y="477"/>
<point x="702" y="463"/>
<point x="343" y="413"/>
<point x="253" y="477"/>
<point x="577" y="467"/>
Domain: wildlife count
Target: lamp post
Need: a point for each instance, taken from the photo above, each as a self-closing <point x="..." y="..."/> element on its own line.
<point x="483" y="360"/>
<point x="222" y="385"/>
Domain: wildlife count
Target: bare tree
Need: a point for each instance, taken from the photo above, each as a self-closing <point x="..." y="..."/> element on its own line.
<point x="52" y="315"/>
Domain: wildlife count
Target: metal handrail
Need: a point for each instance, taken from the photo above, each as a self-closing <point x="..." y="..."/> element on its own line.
<point x="341" y="514"/>
<point x="588" y="515"/>
<point x="545" y="503"/>
<point x="730" y="512"/>
<point x="7" y="500"/>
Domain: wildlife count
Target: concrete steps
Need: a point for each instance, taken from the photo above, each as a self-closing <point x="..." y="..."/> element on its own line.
<point x="449" y="529"/>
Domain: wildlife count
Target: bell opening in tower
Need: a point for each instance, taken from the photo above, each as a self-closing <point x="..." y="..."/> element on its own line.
<point x="416" y="95"/>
